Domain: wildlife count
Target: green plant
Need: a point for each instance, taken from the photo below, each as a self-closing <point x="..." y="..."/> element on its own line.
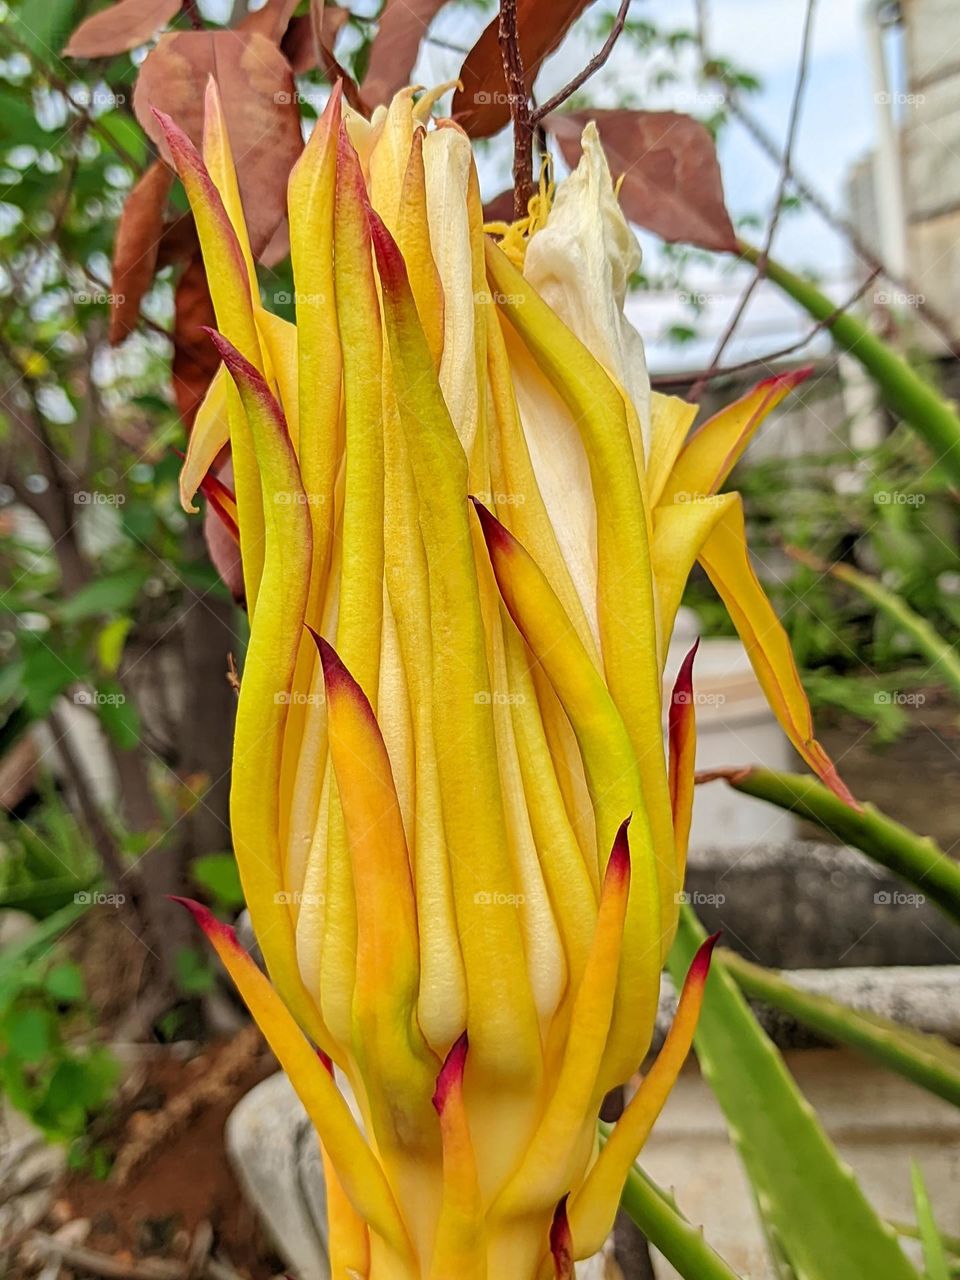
<point x="48" y="1068"/>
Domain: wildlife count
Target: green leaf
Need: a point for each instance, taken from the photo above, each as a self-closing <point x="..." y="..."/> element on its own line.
<point x="28" y="1033"/>
<point x="193" y="972"/>
<point x="65" y="983"/>
<point x="809" y="1198"/>
<point x="218" y="874"/>
<point x="928" y="1060"/>
<point x="112" y="593"/>
<point x="118" y="715"/>
<point x="45" y="675"/>
<point x="934" y="1256"/>
<point x="110" y="642"/>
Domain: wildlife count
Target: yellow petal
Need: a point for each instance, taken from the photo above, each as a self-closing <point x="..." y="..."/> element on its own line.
<point x="713" y="449"/>
<point x="554" y="1160"/>
<point x="612" y="777"/>
<point x="209" y="434"/>
<point x="725" y="558"/>
<point x="356" y="1165"/>
<point x="624" y="587"/>
<point x="502" y="1021"/>
<point x="265" y="689"/>
<point x="595" y="1204"/>
<point x="460" y="1249"/>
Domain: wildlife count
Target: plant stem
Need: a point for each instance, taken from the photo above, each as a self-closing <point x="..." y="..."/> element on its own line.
<point x="665" y="1227"/>
<point x="513" y="75"/>
<point x="916" y="858"/>
<point x="907" y="393"/>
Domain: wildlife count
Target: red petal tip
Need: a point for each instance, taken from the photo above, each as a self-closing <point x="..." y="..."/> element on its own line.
<point x="561" y="1242"/>
<point x="496" y="536"/>
<point x="792" y="378"/>
<point x="451" y="1074"/>
<point x="207" y="921"/>
<point x="700" y="964"/>
<point x="618" y="865"/>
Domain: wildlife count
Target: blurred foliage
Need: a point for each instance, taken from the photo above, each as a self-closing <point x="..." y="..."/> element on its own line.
<point x="59" y="1084"/>
<point x="884" y="510"/>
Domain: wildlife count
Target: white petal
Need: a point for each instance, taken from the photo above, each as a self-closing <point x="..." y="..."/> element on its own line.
<point x="581" y="263"/>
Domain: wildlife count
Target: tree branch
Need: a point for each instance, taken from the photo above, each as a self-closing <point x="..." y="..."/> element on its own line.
<point x="519" y="107"/>
<point x="594" y="65"/>
<point x="785" y="171"/>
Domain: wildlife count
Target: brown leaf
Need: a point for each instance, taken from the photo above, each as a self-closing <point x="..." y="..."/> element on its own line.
<point x="671" y="178"/>
<point x="260" y="106"/>
<point x="195" y="359"/>
<point x="272" y="20"/>
<point x="298" y="45"/>
<point x="482" y="106"/>
<point x="139" y="232"/>
<point x="500" y="207"/>
<point x="400" y="31"/>
<point x="123" y="26"/>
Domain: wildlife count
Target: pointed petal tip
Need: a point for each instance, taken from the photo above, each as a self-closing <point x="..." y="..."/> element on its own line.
<point x="700" y="964"/>
<point x="561" y="1241"/>
<point x="450" y="1077"/>
<point x="792" y="378"/>
<point x="208" y="922"/>
<point x="618" y="865"/>
<point x="496" y="535"/>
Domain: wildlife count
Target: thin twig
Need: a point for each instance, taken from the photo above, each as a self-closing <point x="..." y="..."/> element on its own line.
<point x="707" y="375"/>
<point x="509" y="34"/>
<point x="785" y="171"/>
<point x="594" y="65"/>
<point x="839" y="223"/>
<point x="193" y="14"/>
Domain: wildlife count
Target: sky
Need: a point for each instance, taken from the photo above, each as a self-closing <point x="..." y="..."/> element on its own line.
<point x="836" y="129"/>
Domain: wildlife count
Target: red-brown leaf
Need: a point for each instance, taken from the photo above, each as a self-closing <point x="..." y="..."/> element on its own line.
<point x="123" y="26"/>
<point x="259" y="97"/>
<point x="400" y="32"/>
<point x="139" y="232"/>
<point x="195" y="360"/>
<point x="272" y="20"/>
<point x="482" y="106"/>
<point x="298" y="45"/>
<point x="671" y="178"/>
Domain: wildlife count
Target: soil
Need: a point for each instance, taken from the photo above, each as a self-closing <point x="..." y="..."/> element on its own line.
<point x="180" y="1176"/>
<point x="915" y="779"/>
